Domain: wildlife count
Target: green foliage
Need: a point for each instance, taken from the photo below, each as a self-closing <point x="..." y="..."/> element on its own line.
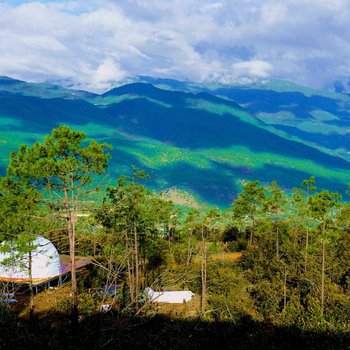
<point x="250" y="204"/>
<point x="250" y="201"/>
<point x="88" y="305"/>
<point x="157" y="253"/>
<point x="61" y="158"/>
<point x="18" y="204"/>
<point x="228" y="299"/>
<point x="275" y="202"/>
<point x="180" y="252"/>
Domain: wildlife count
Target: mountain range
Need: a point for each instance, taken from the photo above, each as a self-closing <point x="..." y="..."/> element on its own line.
<point x="196" y="140"/>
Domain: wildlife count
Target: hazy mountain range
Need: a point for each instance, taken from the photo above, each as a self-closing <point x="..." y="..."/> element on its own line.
<point x="205" y="139"/>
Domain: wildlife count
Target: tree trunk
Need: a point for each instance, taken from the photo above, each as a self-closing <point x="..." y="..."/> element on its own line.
<point x="189" y="250"/>
<point x="137" y="277"/>
<point x="144" y="272"/>
<point x="252" y="232"/>
<point x="277" y="243"/>
<point x="31" y="291"/>
<point x="307" y="228"/>
<point x="130" y="263"/>
<point x="71" y="237"/>
<point x="169" y="237"/>
<point x="323" y="274"/>
<point x="285" y="289"/>
<point x="75" y="315"/>
<point x="306" y="246"/>
<point x="94" y="245"/>
<point x="203" y="274"/>
<point x="130" y="280"/>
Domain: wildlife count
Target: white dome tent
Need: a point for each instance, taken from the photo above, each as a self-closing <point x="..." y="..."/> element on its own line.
<point x="45" y="262"/>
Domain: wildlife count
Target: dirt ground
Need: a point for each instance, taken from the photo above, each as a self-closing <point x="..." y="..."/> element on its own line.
<point x="188" y="309"/>
<point x="234" y="256"/>
<point x="47" y="299"/>
<point x="43" y="301"/>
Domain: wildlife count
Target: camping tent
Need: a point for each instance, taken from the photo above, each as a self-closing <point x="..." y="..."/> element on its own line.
<point x="172" y="297"/>
<point x="45" y="262"/>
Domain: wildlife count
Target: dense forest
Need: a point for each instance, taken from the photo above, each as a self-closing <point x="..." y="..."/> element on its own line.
<point x="271" y="271"/>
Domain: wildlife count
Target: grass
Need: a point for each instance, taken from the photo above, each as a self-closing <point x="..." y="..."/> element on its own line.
<point x="44" y="302"/>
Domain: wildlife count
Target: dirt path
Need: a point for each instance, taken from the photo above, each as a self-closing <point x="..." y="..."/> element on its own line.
<point x="234" y="256"/>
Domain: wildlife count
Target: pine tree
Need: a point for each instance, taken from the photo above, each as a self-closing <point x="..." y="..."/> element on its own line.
<point x="64" y="167"/>
<point x="249" y="204"/>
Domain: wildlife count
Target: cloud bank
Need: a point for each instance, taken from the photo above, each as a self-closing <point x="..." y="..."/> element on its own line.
<point x="94" y="43"/>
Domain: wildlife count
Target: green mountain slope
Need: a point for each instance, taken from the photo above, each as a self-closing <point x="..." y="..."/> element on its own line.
<point x="319" y="119"/>
<point x="42" y="90"/>
<point x="197" y="142"/>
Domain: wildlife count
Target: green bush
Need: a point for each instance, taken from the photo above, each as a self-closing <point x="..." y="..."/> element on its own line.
<point x="227" y="294"/>
<point x="180" y="253"/>
<point x="87" y="305"/>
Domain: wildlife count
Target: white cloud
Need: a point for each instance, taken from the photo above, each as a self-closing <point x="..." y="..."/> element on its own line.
<point x="96" y="42"/>
<point x="107" y="72"/>
<point x="253" y="68"/>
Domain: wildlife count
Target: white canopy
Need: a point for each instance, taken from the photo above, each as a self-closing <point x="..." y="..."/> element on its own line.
<point x="172" y="297"/>
<point x="45" y="262"/>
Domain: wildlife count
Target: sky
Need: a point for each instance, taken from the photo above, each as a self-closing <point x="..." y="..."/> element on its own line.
<point x="95" y="44"/>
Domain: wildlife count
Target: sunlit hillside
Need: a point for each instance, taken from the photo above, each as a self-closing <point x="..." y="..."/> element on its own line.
<point x="206" y="140"/>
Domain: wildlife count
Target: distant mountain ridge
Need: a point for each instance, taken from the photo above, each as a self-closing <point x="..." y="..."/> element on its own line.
<point x="295" y="111"/>
<point x="204" y="139"/>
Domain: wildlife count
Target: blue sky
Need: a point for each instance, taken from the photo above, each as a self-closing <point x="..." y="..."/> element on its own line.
<point x="95" y="43"/>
